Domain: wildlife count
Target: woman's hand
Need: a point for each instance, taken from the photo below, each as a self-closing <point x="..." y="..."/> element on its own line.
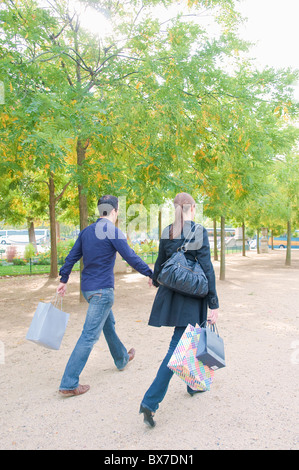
<point x="213" y="316"/>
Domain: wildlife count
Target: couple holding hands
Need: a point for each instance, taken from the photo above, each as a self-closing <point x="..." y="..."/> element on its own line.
<point x="98" y="244"/>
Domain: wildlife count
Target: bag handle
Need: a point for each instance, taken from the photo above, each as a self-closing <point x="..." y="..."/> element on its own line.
<point x="212" y="327"/>
<point x="55" y="301"/>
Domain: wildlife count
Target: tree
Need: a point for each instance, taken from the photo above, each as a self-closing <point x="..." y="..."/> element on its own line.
<point x="286" y="191"/>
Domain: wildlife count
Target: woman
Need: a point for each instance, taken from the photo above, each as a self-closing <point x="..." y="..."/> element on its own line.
<point x="173" y="309"/>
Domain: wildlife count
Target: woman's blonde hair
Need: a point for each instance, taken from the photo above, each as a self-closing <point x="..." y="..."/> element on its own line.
<point x="182" y="204"/>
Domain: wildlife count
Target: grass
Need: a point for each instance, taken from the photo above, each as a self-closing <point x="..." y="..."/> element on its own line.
<point x="27" y="270"/>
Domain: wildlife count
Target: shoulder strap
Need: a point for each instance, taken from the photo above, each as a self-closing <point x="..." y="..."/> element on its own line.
<point x="195" y="244"/>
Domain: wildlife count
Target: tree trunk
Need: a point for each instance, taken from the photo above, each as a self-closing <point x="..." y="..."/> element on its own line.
<point x="272" y="240"/>
<point x="52" y="202"/>
<point x="83" y="207"/>
<point x="258" y="241"/>
<point x="58" y="231"/>
<point x="243" y="240"/>
<point x="31" y="233"/>
<point x="222" y="251"/>
<point x="215" y="240"/>
<point x="289" y="242"/>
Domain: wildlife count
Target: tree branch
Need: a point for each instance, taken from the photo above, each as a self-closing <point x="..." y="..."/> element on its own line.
<point x="57" y="198"/>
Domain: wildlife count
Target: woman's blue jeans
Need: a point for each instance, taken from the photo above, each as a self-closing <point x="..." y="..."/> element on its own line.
<point x="99" y="318"/>
<point x="158" y="389"/>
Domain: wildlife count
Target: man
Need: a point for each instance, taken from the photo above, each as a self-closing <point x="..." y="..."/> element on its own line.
<point x="98" y="244"/>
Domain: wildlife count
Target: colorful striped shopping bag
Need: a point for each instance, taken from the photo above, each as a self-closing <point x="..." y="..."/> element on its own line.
<point x="184" y="363"/>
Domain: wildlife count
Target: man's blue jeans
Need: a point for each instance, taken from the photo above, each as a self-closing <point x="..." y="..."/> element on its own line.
<point x="158" y="389"/>
<point x="99" y="318"/>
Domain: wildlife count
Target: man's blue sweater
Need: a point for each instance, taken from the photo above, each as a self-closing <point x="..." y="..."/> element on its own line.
<point x="98" y="244"/>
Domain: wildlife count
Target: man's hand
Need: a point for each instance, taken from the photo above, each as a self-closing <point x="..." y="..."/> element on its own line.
<point x="150" y="282"/>
<point x="61" y="289"/>
<point x="213" y="316"/>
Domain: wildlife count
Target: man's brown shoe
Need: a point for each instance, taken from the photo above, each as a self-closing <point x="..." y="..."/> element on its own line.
<point x="131" y="353"/>
<point x="77" y="391"/>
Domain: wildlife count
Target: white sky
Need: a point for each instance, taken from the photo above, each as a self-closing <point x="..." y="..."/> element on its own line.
<point x="274" y="26"/>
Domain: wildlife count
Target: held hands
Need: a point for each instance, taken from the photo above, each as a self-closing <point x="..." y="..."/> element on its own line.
<point x="213" y="316"/>
<point x="61" y="289"/>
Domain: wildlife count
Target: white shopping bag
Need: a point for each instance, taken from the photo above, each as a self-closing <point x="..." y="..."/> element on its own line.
<point x="48" y="325"/>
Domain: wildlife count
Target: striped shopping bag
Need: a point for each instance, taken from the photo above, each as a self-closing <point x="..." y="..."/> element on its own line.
<point x="184" y="363"/>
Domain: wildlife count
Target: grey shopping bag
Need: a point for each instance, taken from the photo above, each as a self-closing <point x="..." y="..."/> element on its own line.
<point x="48" y="325"/>
<point x="210" y="348"/>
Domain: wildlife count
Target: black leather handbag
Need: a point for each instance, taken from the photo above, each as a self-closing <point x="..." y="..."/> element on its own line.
<point x="183" y="275"/>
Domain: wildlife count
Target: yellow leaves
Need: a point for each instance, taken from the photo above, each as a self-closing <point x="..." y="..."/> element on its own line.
<point x="171" y="36"/>
<point x="282" y="111"/>
<point x="10" y="87"/>
<point x="101" y="177"/>
<point x="149" y="166"/>
<point x="139" y="84"/>
<point x="276" y="110"/>
<point x="247" y="145"/>
<point x="285" y="115"/>
<point x="190" y="3"/>
<point x="152" y="113"/>
<point x="239" y="192"/>
<point x="4" y="119"/>
<point x="204" y="121"/>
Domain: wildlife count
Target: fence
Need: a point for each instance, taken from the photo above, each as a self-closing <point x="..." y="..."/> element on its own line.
<point x="34" y="266"/>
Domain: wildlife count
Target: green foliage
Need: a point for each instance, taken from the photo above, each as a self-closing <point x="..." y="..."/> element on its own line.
<point x="155" y="105"/>
<point x="29" y="251"/>
<point x="63" y="248"/>
<point x="19" y="262"/>
<point x="44" y="258"/>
